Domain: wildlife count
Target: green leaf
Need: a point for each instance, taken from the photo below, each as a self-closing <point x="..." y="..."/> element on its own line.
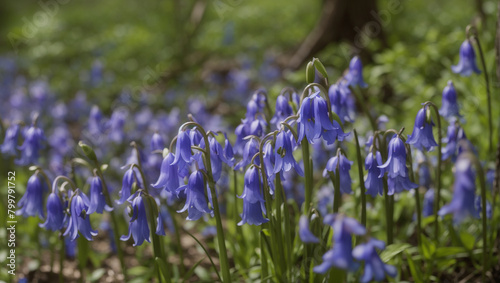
<point x="310" y="73"/>
<point x="428" y="248"/>
<point x="415" y="272"/>
<point x="319" y="66"/>
<point x="138" y="271"/>
<point x="96" y="275"/>
<point x="191" y="270"/>
<point x="89" y="152"/>
<point x="393" y="250"/>
<point x="468" y="240"/>
<point x="448" y="251"/>
<point x="162" y="266"/>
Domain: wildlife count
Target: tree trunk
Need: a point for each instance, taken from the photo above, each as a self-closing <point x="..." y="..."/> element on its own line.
<point x="341" y="20"/>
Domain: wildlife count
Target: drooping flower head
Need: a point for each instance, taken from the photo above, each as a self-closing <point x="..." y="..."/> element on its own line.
<point x="251" y="148"/>
<point x="157" y="142"/>
<point x="449" y="106"/>
<point x="138" y="227"/>
<point x="228" y="151"/>
<point x="9" y="146"/>
<point x="395" y="166"/>
<point x="117" y="124"/>
<point x="283" y="110"/>
<point x="375" y="268"/>
<point x="428" y="206"/>
<point x="455" y="134"/>
<point x="462" y="203"/>
<point x="467" y="60"/>
<point x="183" y="147"/>
<point x="355" y="75"/>
<point x="55" y="213"/>
<point x="314" y="122"/>
<point x="97" y="198"/>
<point x="128" y="180"/>
<point x="196" y="200"/>
<point x="305" y="234"/>
<point x="61" y="141"/>
<point x="422" y="136"/>
<point x="169" y="175"/>
<point x="253" y="201"/>
<point x="373" y="184"/>
<point x="79" y="219"/>
<point x="283" y="156"/>
<point x="33" y="142"/>
<point x="341" y="254"/>
<point x="339" y="95"/>
<point x="31" y="204"/>
<point x="344" y="165"/>
<point x="96" y="124"/>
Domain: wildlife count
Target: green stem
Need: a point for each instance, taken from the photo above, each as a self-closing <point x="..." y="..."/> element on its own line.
<point x="336" y="190"/>
<point x="488" y="95"/>
<point x="152" y="212"/>
<point x="288" y="239"/>
<point x="438" y="172"/>
<point x="417" y="197"/>
<point x="114" y="223"/>
<point x="308" y="176"/>
<point x="278" y="200"/>
<point x="263" y="259"/>
<point x="361" y="180"/>
<point x="178" y="239"/>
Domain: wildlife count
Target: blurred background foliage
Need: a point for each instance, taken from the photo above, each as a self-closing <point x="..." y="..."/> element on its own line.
<point x="163" y="48"/>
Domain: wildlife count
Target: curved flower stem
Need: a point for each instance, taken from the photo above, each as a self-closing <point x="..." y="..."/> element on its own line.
<point x="438" y="172"/>
<point x="361" y="180"/>
<point x="417" y="196"/>
<point x="487" y="81"/>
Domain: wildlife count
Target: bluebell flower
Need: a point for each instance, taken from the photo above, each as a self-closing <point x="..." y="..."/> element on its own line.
<point x="424" y="176"/>
<point x="462" y="203"/>
<point x="449" y="106"/>
<point x="79" y="219"/>
<point x="160" y="228"/>
<point x="283" y="110"/>
<point x="428" y="206"/>
<point x="381" y="121"/>
<point x="455" y="134"/>
<point x="490" y="177"/>
<point x="305" y="234"/>
<point x="375" y="269"/>
<point x="116" y="125"/>
<point x="373" y="184"/>
<point x="209" y="231"/>
<point x="33" y="142"/>
<point x="169" y="175"/>
<point x="96" y="124"/>
<point x="253" y="201"/>
<point x="138" y="227"/>
<point x="284" y="160"/>
<point x="325" y="199"/>
<point x="395" y="166"/>
<point x="31" y="204"/>
<point x="344" y="167"/>
<point x="183" y="147"/>
<point x="61" y="141"/>
<point x="9" y="146"/>
<point x="97" y="199"/>
<point x="196" y="137"/>
<point x="422" y="136"/>
<point x="314" y="122"/>
<point x="339" y="94"/>
<point x="478" y="206"/>
<point x="355" y="75"/>
<point x="257" y="127"/>
<point x="157" y="142"/>
<point x="217" y="157"/>
<point x="252" y="109"/>
<point x="467" y="60"/>
<point x="251" y="148"/>
<point x="341" y="254"/>
<point x="128" y="180"/>
<point x="228" y="151"/>
<point x="196" y="200"/>
<point x="55" y="213"/>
